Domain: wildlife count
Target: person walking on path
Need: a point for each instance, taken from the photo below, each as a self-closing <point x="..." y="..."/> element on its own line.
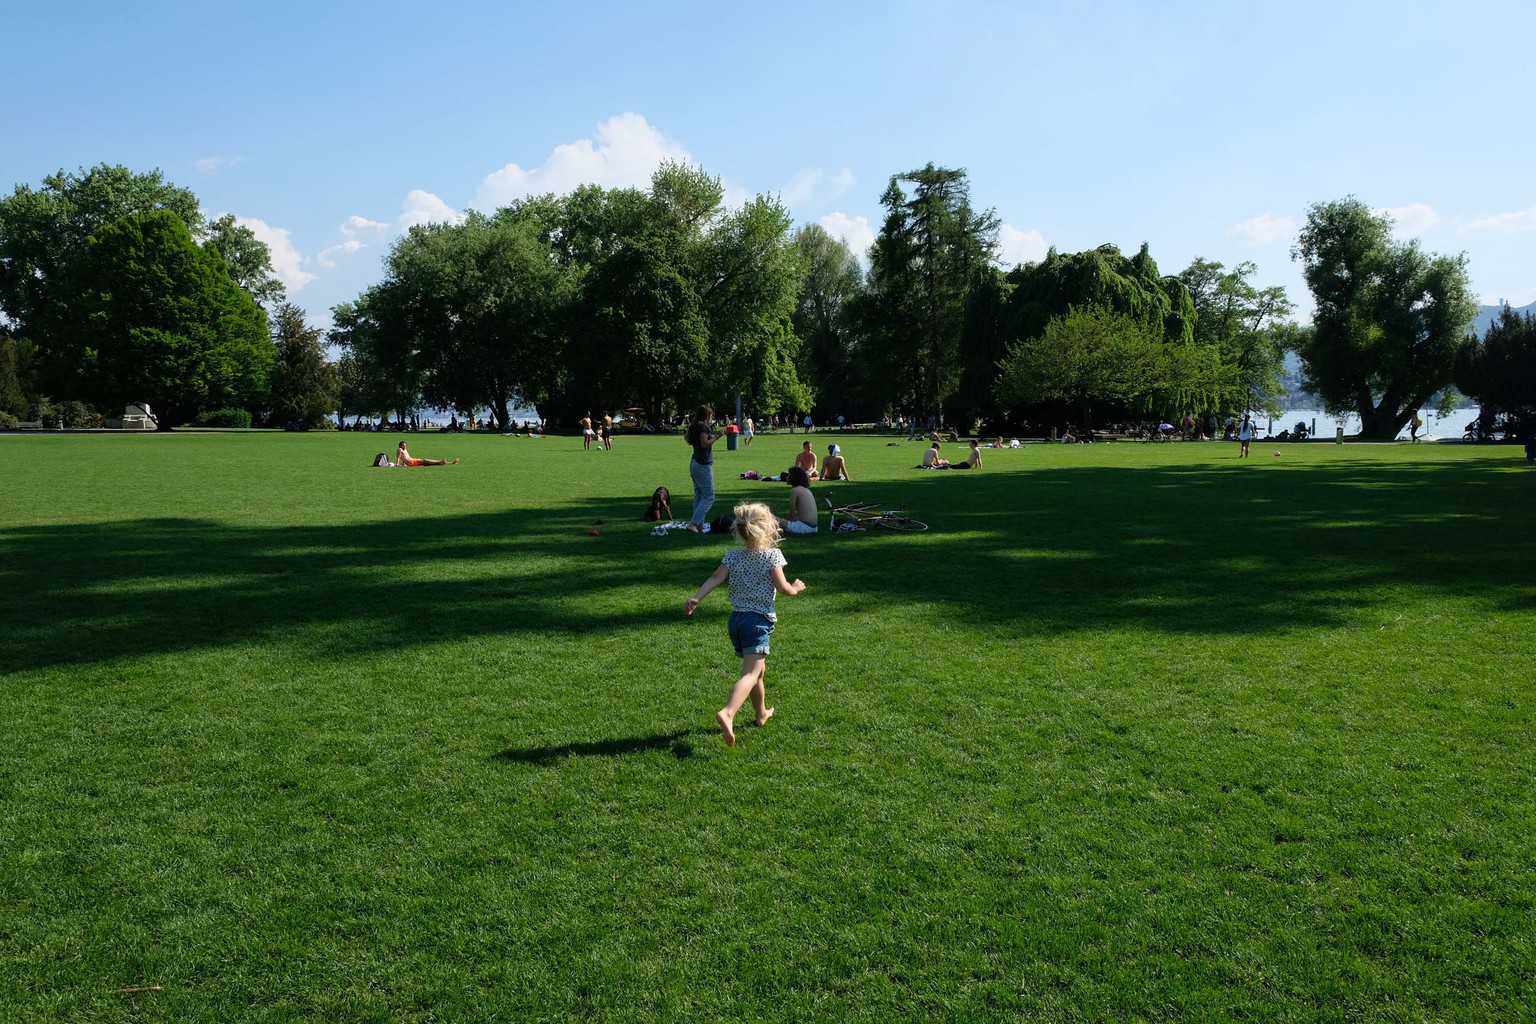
<point x="807" y="423"/>
<point x="701" y="466"/>
<point x="755" y="572"/>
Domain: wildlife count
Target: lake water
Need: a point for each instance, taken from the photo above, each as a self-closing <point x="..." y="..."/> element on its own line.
<point x="1447" y="428"/>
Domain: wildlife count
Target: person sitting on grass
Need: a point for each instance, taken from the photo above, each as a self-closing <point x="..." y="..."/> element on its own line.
<point x="972" y="461"/>
<point x="834" y="466"/>
<point x="802" y="506"/>
<point x="932" y="459"/>
<point x="755" y="572"/>
<point x="806" y="459"/>
<point x="403" y="457"/>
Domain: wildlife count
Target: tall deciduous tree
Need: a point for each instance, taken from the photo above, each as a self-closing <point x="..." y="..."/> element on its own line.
<point x="305" y="387"/>
<point x="1388" y="316"/>
<point x="824" y="319"/>
<point x="380" y="366"/>
<point x="930" y="247"/>
<point x="1103" y="277"/>
<point x="1247" y="325"/>
<point x="45" y="251"/>
<point x="160" y="321"/>
<point x="44" y="247"/>
<point x="248" y="259"/>
<point x="483" y="306"/>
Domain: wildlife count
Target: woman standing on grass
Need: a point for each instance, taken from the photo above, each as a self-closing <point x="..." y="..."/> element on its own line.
<point x="701" y="466"/>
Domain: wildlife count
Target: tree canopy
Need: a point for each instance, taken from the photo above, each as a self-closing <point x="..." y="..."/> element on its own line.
<point x="1499" y="370"/>
<point x="160" y="321"/>
<point x="305" y="388"/>
<point x="601" y="299"/>
<point x="932" y="245"/>
<point x="1388" y="317"/>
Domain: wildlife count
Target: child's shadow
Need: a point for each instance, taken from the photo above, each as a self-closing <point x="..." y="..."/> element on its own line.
<point x="676" y="740"/>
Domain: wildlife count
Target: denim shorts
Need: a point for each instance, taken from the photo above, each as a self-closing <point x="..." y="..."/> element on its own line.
<point x="750" y="632"/>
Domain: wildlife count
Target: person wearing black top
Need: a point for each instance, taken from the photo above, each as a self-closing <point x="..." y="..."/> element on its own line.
<point x="701" y="438"/>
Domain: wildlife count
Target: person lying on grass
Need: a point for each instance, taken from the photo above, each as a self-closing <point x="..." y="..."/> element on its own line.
<point x="834" y="466"/>
<point x="806" y="460"/>
<point x="403" y="458"/>
<point x="802" y="506"/>
<point x="755" y="572"/>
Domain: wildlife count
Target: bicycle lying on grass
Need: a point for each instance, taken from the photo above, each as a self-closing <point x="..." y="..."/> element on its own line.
<point x="861" y="516"/>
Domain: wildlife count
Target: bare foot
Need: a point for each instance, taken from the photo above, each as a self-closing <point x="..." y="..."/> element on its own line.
<point x="767" y="714"/>
<point x="726" y="729"/>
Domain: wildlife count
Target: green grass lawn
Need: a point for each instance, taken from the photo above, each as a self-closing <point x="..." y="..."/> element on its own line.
<point x="1135" y="732"/>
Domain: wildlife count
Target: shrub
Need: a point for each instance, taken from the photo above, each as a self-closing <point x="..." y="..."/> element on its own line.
<point x="7" y="421"/>
<point x="224" y="418"/>
<point x="77" y="415"/>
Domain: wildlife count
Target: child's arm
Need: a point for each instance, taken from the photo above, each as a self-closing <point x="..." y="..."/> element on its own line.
<point x="710" y="584"/>
<point x="783" y="585"/>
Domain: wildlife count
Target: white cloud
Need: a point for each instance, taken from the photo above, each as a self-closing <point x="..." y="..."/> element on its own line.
<point x="355" y="225"/>
<point x="854" y="231"/>
<point x="327" y="257"/>
<point x="1015" y="246"/>
<point x="425" y="208"/>
<point x="813" y="183"/>
<point x="287" y="264"/>
<point x="1518" y="221"/>
<point x="215" y="164"/>
<point x="1411" y="220"/>
<point x="625" y="153"/>
<point x="1265" y="229"/>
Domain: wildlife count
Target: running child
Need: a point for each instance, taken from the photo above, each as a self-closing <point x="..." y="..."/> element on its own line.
<point x="755" y="572"/>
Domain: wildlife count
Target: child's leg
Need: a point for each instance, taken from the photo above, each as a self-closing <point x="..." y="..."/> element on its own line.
<point x="751" y="673"/>
<point x="760" y="695"/>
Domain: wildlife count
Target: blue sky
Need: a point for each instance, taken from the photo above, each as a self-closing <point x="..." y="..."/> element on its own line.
<point x="1204" y="129"/>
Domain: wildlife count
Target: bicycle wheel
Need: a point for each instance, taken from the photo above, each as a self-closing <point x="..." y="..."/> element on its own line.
<point x="902" y="524"/>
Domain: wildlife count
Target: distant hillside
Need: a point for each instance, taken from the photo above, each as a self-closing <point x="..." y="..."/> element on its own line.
<point x="1487" y="314"/>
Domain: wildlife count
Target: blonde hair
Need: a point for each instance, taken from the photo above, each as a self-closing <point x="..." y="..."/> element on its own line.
<point x="756" y="526"/>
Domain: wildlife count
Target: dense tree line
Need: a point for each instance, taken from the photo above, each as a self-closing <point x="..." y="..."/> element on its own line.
<point x="114" y="287"/>
<point x="602" y="299"/>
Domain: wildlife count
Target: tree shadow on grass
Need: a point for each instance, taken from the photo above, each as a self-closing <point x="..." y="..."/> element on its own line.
<point x="676" y="741"/>
<point x="1185" y="550"/>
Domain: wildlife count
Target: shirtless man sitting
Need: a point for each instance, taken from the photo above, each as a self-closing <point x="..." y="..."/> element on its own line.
<point x="802" y="506"/>
<point x="806" y="460"/>
<point x="834" y="467"/>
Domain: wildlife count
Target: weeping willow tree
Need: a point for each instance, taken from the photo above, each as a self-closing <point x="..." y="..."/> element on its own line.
<point x="1100" y="278"/>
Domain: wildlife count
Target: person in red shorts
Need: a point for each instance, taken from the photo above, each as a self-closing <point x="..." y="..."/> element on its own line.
<point x="403" y="458"/>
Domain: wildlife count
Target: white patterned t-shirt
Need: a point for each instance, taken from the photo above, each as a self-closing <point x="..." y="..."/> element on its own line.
<point x="751" y="579"/>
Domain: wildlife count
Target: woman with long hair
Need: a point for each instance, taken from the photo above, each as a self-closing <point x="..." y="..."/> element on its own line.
<point x="701" y="466"/>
